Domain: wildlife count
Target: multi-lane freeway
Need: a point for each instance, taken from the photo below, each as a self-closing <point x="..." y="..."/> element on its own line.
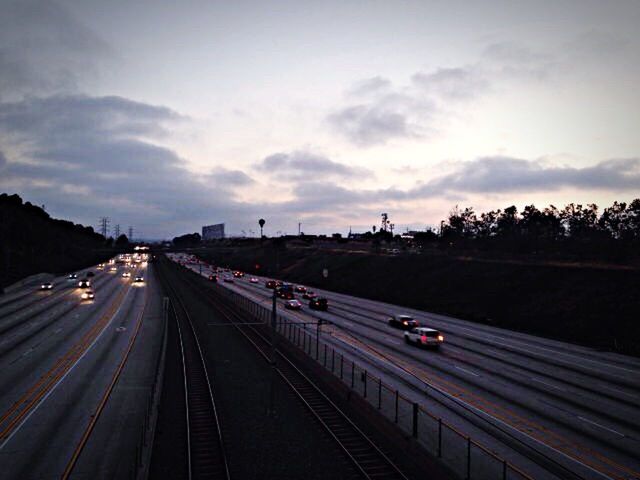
<point x="553" y="409"/>
<point x="75" y="374"/>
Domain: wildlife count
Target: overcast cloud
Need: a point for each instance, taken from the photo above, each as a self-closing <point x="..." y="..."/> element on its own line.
<point x="130" y="111"/>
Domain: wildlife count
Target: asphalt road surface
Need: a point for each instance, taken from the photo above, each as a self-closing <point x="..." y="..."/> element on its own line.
<point x="548" y="407"/>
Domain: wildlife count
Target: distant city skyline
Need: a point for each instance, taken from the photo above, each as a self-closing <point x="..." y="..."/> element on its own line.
<point x="168" y="116"/>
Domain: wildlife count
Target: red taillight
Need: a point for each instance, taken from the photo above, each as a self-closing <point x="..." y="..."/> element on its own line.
<point x="423" y="338"/>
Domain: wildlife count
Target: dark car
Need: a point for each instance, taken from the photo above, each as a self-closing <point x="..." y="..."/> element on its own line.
<point x="72" y="276"/>
<point x="84" y="283"/>
<point x="238" y="274"/>
<point x="46" y="286"/>
<point x="213" y="278"/>
<point x="91" y="274"/>
<point x="285" y="291"/>
<point x="293" y="305"/>
<point x="308" y="295"/>
<point x="270" y="284"/>
<point x="405" y="322"/>
<point x="301" y="289"/>
<point x="319" y="303"/>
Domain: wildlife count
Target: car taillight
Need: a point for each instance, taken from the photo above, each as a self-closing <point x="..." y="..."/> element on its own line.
<point x="423" y="338"/>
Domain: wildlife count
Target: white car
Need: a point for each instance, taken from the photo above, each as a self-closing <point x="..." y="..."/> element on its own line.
<point x="254" y="280"/>
<point x="424" y="337"/>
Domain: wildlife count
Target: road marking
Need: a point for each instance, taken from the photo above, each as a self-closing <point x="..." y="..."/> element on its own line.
<point x="601" y="426"/>
<point x="619" y="391"/>
<point x="467" y="371"/>
<point x="547" y="384"/>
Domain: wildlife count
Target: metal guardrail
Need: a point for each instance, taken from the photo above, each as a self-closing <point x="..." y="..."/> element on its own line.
<point x="466" y="457"/>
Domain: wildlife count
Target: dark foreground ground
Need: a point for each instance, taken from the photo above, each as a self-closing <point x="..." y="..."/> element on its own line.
<point x="591" y="305"/>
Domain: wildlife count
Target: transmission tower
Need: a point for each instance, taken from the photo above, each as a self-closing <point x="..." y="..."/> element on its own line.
<point x="116" y="233"/>
<point x="385" y="222"/>
<point x="130" y="236"/>
<point x="104" y="226"/>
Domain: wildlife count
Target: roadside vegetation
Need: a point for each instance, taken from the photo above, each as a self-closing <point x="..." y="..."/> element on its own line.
<point x="32" y="242"/>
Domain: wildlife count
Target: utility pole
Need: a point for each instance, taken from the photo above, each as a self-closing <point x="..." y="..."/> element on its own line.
<point x="104" y="226"/>
<point x="299" y="224"/>
<point x="274" y="318"/>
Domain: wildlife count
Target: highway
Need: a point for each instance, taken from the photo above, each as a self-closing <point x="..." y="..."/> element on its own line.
<point x="75" y="375"/>
<point x="553" y="409"/>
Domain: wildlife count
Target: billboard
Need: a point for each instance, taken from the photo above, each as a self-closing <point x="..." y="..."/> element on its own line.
<point x="213" y="232"/>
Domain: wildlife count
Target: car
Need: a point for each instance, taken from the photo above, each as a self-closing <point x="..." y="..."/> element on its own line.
<point x="228" y="279"/>
<point x="72" y="276"/>
<point x="424" y="337"/>
<point x="46" y="286"/>
<point x="405" y="322"/>
<point x="279" y="283"/>
<point x="88" y="295"/>
<point x="301" y="289"/>
<point x="308" y="295"/>
<point x="84" y="283"/>
<point x="100" y="266"/>
<point x="285" y="291"/>
<point x="91" y="274"/>
<point x="318" y="303"/>
<point x="253" y="280"/>
<point x="213" y="278"/>
<point x="114" y="268"/>
<point x="270" y="284"/>
<point x="126" y="275"/>
<point x="238" y="274"/>
<point x="139" y="279"/>
<point x="293" y="305"/>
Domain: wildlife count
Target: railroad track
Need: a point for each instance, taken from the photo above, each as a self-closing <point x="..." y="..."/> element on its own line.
<point x="370" y="461"/>
<point x="206" y="456"/>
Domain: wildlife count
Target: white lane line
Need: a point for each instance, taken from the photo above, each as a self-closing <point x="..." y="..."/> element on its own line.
<point x="467" y="371"/>
<point x="57" y="331"/>
<point x="55" y="386"/>
<point x="601" y="426"/>
<point x="618" y="391"/>
<point x="547" y="384"/>
<point x="28" y="352"/>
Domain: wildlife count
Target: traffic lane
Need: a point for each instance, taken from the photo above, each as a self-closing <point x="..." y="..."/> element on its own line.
<point x="564" y="353"/>
<point x="46" y="440"/>
<point x="234" y="289"/>
<point x="36" y="301"/>
<point x="110" y="450"/>
<point x="593" y="389"/>
<point x="559" y="438"/>
<point x="22" y="368"/>
<point x="474" y="343"/>
<point x="22" y="328"/>
<point x="26" y="293"/>
<point x="572" y="420"/>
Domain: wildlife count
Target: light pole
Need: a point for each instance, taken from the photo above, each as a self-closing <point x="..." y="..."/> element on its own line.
<point x="261" y="222"/>
<point x="273" y="355"/>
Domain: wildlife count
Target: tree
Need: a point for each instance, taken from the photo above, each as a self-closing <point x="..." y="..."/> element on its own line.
<point x="122" y="241"/>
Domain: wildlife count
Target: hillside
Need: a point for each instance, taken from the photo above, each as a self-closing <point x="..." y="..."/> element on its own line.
<point x="33" y="242"/>
<point x="594" y="305"/>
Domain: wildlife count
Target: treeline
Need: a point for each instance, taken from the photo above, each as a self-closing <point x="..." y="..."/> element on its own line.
<point x="33" y="242"/>
<point x="612" y="232"/>
<point x="188" y="240"/>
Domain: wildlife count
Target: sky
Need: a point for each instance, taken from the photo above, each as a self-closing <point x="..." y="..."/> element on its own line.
<point x="166" y="116"/>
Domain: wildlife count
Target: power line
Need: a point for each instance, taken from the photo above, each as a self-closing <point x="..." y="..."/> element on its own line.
<point x="103" y="225"/>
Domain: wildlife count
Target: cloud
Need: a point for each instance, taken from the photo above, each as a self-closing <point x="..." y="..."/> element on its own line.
<point x="305" y="165"/>
<point x="236" y="178"/>
<point x="506" y="175"/>
<point x="44" y="49"/>
<point x="373" y="85"/>
<point x="460" y="83"/>
<point x="93" y="156"/>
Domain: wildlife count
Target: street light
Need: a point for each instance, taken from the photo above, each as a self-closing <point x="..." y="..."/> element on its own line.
<point x="261" y="222"/>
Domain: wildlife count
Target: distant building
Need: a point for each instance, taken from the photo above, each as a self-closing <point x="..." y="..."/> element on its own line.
<point x="213" y="232"/>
